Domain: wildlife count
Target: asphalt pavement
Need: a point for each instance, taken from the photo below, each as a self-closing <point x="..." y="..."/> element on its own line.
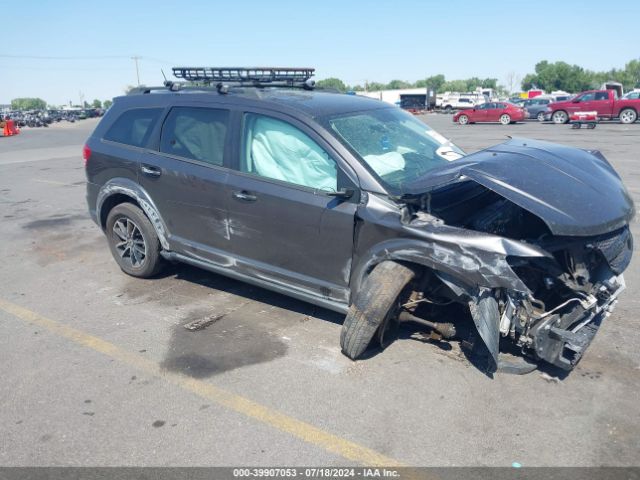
<point x="96" y="368"/>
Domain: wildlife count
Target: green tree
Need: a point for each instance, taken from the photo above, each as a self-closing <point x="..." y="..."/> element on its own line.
<point x="96" y="103"/>
<point x="332" y="83"/>
<point x="107" y="103"/>
<point x="398" y="84"/>
<point x="559" y="76"/>
<point x="455" y="86"/>
<point x="435" y="81"/>
<point x="490" y="83"/>
<point x="632" y="70"/>
<point x="28" y="104"/>
<point x="375" y="86"/>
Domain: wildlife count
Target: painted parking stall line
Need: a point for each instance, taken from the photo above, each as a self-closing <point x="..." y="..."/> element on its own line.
<point x="299" y="429"/>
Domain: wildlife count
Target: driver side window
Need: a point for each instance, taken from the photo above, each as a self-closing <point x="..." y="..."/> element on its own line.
<point x="278" y="150"/>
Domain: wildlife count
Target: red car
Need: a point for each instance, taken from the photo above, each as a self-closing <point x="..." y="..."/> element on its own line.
<point x="503" y="112"/>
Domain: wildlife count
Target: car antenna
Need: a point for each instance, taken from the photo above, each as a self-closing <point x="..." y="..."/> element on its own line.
<point x="172" y="86"/>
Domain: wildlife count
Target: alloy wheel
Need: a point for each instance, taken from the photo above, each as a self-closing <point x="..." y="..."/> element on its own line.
<point x="129" y="242"/>
<point x="628" y="116"/>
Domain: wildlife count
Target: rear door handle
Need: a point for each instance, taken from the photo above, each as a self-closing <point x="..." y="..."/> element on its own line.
<point x="150" y="170"/>
<point x="244" y="195"/>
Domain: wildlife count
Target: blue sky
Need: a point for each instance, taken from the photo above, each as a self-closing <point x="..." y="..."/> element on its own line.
<point x="355" y="41"/>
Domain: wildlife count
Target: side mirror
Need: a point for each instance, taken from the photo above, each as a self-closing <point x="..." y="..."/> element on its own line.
<point x="343" y="193"/>
<point x="575" y="100"/>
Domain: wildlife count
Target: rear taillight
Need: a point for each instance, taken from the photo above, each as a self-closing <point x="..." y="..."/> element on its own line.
<point x="86" y="154"/>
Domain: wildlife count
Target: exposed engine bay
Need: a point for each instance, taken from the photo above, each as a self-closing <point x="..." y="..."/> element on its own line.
<point x="569" y="289"/>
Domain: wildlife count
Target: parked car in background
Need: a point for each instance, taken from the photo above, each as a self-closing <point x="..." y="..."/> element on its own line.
<point x="457" y="101"/>
<point x="562" y="98"/>
<point x="635" y="95"/>
<point x="503" y="112"/>
<point x="537" y="107"/>
<point x="605" y="102"/>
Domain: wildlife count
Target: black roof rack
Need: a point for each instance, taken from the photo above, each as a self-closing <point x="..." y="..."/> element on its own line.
<point x="222" y="78"/>
<point x="252" y="76"/>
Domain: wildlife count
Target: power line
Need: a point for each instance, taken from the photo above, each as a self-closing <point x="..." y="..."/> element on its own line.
<point x="46" y="57"/>
<point x="94" y="57"/>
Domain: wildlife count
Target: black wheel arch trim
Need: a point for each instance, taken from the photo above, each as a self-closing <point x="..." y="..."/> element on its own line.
<point x="131" y="189"/>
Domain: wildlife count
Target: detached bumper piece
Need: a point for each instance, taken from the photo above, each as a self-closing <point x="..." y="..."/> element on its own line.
<point x="562" y="339"/>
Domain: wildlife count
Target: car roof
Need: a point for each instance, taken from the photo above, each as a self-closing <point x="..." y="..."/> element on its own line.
<point x="313" y="103"/>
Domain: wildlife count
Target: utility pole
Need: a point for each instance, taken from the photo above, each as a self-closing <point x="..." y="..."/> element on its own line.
<point x="135" y="58"/>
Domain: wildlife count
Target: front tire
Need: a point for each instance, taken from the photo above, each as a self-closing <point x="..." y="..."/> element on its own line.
<point x="505" y="119"/>
<point x="560" y="117"/>
<point x="540" y="116"/>
<point x="133" y="241"/>
<point x="374" y="304"/>
<point x="463" y="120"/>
<point x="628" y="115"/>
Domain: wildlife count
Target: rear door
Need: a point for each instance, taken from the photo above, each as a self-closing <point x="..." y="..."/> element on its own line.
<point x="118" y="151"/>
<point x="186" y="176"/>
<point x="284" y="227"/>
<point x="493" y="112"/>
<point x="603" y="103"/>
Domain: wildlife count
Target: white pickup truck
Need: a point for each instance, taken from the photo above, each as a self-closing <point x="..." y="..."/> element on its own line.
<point x="459" y="101"/>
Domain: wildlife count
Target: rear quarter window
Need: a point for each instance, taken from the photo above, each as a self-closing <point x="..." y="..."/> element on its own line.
<point x="133" y="127"/>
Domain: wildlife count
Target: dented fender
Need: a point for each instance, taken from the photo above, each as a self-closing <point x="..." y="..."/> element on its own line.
<point x="128" y="187"/>
<point x="476" y="259"/>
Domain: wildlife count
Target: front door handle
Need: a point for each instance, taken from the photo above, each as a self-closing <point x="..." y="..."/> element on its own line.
<point x="150" y="170"/>
<point x="244" y="195"/>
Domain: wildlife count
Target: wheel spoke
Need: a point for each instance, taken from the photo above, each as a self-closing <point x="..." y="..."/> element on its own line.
<point x="119" y="230"/>
<point x="129" y="242"/>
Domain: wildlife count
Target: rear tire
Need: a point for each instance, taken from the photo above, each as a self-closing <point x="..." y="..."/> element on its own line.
<point x="540" y="117"/>
<point x="560" y="117"/>
<point x="505" y="119"/>
<point x="373" y="304"/>
<point x="133" y="241"/>
<point x="628" y="115"/>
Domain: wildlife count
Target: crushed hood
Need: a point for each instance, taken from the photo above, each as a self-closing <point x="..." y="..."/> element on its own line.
<point x="575" y="192"/>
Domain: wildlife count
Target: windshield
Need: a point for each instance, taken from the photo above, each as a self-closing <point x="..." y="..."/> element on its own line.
<point x="395" y="146"/>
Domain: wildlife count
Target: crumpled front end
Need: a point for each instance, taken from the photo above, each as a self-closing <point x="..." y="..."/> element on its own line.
<point x="566" y="206"/>
<point x="571" y="294"/>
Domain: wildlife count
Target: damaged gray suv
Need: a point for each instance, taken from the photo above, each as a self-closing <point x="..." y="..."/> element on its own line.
<point x="356" y="206"/>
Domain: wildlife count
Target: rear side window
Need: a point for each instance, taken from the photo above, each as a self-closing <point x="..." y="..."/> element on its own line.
<point x="602" y="95"/>
<point x="133" y="127"/>
<point x="195" y="133"/>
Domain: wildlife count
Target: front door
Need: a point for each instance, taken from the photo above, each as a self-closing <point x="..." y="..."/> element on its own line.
<point x="186" y="178"/>
<point x="480" y="113"/>
<point x="583" y="103"/>
<point x="284" y="227"/>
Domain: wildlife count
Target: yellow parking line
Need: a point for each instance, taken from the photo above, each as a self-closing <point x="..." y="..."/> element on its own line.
<point x="302" y="430"/>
